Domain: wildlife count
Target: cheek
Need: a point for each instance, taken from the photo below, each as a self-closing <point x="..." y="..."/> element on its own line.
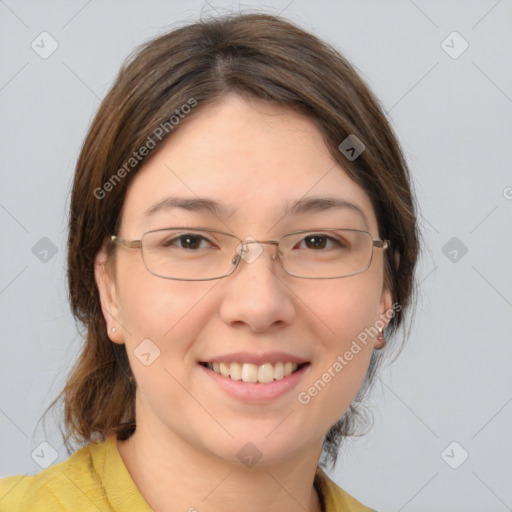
<point x="161" y="319"/>
<point x="170" y="313"/>
<point x="346" y="307"/>
<point x="149" y="306"/>
<point x="345" y="312"/>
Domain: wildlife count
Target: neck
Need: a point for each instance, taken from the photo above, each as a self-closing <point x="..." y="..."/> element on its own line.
<point x="173" y="475"/>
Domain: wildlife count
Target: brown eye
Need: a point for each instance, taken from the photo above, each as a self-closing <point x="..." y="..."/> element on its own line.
<point x="187" y="241"/>
<point x="319" y="241"/>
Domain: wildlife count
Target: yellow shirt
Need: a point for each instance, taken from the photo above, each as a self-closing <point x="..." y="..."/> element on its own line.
<point x="95" y="479"/>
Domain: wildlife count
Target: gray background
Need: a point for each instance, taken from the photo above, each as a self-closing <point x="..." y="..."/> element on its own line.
<point x="452" y="382"/>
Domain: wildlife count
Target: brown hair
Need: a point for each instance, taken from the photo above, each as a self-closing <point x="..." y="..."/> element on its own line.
<point x="255" y="55"/>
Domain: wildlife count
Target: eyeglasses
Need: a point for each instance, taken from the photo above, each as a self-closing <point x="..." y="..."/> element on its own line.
<point x="205" y="254"/>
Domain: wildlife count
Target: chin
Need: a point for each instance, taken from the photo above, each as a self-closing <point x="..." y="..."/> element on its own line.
<point x="248" y="449"/>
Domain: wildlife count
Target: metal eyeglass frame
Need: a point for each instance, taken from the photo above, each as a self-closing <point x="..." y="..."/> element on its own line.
<point x="137" y="244"/>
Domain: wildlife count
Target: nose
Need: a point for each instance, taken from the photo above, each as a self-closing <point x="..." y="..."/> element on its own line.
<point x="255" y="294"/>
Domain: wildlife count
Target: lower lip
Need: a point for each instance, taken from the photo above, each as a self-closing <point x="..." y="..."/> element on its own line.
<point x="255" y="391"/>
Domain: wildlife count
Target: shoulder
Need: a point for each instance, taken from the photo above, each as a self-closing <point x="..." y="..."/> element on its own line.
<point x="335" y="498"/>
<point x="59" y="488"/>
<point x="20" y="493"/>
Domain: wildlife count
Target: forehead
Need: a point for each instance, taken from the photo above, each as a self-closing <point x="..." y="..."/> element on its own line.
<point x="254" y="159"/>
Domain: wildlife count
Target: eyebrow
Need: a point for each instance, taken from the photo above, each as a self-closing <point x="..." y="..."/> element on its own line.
<point x="320" y="204"/>
<point x="299" y="207"/>
<point x="198" y="204"/>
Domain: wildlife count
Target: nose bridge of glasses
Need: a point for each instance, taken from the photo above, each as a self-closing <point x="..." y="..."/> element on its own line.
<point x="243" y="250"/>
<point x="251" y="240"/>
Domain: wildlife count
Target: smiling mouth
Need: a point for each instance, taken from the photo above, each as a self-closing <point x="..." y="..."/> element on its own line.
<point x="247" y="372"/>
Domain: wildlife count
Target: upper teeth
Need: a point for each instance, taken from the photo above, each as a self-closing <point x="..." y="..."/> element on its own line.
<point x="248" y="372"/>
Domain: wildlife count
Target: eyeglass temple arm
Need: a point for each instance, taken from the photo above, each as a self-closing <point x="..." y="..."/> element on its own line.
<point x="381" y="244"/>
<point x="131" y="244"/>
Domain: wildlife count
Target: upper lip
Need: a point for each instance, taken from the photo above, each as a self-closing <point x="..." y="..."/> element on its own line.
<point x="257" y="359"/>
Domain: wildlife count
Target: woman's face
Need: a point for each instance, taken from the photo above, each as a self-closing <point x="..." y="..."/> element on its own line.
<point x="255" y="160"/>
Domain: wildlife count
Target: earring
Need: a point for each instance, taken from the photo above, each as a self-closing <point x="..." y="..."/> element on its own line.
<point x="113" y="329"/>
<point x="381" y="335"/>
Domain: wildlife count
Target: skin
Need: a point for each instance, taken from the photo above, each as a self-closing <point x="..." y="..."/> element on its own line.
<point x="253" y="157"/>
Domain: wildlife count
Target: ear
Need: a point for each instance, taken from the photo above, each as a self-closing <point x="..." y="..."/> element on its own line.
<point x="105" y="281"/>
<point x="386" y="312"/>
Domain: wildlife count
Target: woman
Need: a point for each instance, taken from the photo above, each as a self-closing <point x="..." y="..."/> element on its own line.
<point x="241" y="252"/>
